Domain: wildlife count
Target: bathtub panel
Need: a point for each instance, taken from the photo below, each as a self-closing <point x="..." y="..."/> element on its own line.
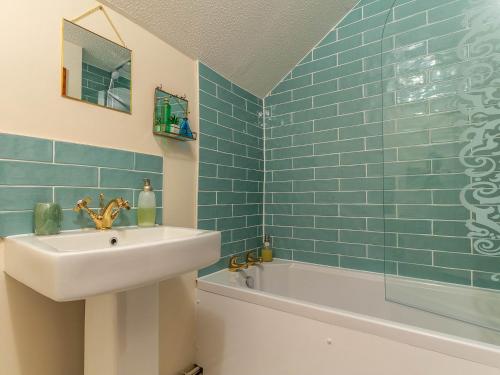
<point x="355" y="301"/>
<point x="234" y="336"/>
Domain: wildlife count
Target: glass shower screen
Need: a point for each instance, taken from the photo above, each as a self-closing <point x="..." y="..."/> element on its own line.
<point x="441" y="140"/>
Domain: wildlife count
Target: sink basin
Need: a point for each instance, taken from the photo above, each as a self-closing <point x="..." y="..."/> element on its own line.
<point x="79" y="264"/>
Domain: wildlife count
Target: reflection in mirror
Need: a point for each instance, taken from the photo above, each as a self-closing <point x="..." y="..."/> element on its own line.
<point x="95" y="69"/>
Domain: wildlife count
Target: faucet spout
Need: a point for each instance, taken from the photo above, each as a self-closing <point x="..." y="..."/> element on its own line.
<point x="112" y="209"/>
<point x="107" y="214"/>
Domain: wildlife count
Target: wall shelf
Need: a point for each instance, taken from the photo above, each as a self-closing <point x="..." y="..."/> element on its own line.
<point x="169" y="111"/>
<point x="177" y="136"/>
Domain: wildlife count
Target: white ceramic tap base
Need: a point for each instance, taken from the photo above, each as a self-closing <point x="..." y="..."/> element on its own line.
<point x="122" y="333"/>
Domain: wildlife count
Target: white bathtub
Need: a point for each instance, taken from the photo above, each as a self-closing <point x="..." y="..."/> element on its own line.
<point x="302" y="319"/>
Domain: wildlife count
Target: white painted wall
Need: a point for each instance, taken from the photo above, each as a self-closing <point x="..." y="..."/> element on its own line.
<point x="39" y="336"/>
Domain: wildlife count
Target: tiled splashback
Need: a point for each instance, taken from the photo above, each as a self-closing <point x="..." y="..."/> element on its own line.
<point x="40" y="170"/>
<point x="323" y="141"/>
<point x="323" y="119"/>
<point x="324" y="149"/>
<point x="231" y="165"/>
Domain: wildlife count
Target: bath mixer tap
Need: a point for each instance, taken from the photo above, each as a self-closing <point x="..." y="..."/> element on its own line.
<point x="252" y="260"/>
<point x="234" y="266"/>
<point x="107" y="214"/>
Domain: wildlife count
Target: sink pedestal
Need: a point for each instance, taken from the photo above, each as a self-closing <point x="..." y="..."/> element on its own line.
<point x="122" y="333"/>
<point x="121" y="328"/>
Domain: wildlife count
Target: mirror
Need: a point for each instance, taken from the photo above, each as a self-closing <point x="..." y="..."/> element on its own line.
<point x="94" y="69"/>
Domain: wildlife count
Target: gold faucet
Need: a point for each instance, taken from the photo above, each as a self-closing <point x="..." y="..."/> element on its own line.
<point x="107" y="214"/>
<point x="252" y="260"/>
<point x="234" y="266"/>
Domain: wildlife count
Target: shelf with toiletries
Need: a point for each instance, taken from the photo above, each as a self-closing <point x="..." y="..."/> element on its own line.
<point x="171" y="116"/>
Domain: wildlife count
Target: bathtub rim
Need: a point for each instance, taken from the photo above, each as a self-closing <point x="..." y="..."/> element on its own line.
<point x="455" y="346"/>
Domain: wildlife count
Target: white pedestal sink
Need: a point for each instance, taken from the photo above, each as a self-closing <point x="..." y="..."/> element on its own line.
<point x="117" y="273"/>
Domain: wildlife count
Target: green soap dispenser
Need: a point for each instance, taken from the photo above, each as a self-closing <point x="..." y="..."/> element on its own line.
<point x="146" y="207"/>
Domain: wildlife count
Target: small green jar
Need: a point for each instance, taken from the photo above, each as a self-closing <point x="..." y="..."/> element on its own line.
<point x="47" y="218"/>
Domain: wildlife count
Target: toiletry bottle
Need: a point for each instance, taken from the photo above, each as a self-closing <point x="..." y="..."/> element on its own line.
<point x="185" y="129"/>
<point x="167" y="112"/>
<point x="158" y="115"/>
<point x="146" y="208"/>
<point x="267" y="252"/>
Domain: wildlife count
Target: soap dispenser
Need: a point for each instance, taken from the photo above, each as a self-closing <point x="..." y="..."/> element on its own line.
<point x="146" y="207"/>
<point x="267" y="252"/>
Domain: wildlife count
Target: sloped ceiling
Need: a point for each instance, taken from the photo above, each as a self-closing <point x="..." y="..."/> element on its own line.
<point x="254" y="43"/>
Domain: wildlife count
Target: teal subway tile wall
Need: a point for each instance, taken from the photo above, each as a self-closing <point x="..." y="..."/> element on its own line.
<point x="331" y="150"/>
<point x="95" y="79"/>
<point x="367" y="126"/>
<point x="41" y="170"/>
<point x="231" y="165"/>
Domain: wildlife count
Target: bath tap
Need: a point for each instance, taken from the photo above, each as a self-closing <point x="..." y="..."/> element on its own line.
<point x="252" y="260"/>
<point x="107" y="214"/>
<point x="234" y="266"/>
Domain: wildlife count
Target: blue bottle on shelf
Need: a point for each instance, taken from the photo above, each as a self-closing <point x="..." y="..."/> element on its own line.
<point x="185" y="129"/>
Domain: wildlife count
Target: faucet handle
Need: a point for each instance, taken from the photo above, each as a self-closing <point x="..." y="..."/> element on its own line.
<point x="234" y="265"/>
<point x="82" y="203"/>
<point x="123" y="203"/>
<point x="251" y="259"/>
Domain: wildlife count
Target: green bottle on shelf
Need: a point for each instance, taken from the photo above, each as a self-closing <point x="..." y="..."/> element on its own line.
<point x="167" y="112"/>
<point x="158" y="115"/>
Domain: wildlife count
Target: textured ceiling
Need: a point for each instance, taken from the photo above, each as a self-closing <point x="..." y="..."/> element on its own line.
<point x="254" y="43"/>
